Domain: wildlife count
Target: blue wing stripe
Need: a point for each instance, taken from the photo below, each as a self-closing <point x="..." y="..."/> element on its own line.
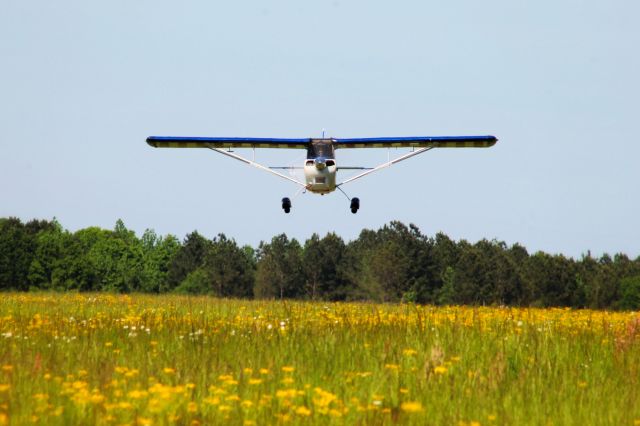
<point x="223" y="142"/>
<point x="419" y="141"/>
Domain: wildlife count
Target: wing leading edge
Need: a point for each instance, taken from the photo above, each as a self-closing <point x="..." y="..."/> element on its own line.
<point x="385" y="142"/>
<point x="199" y="142"/>
<point x="419" y="142"/>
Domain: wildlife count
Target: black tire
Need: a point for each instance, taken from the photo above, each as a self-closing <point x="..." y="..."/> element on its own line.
<point x="286" y="205"/>
<point x="355" y="204"/>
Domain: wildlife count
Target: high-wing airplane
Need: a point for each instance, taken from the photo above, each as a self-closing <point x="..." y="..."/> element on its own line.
<point x="320" y="167"/>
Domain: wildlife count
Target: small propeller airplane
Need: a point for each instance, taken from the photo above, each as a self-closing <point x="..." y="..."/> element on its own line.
<point x="320" y="167"/>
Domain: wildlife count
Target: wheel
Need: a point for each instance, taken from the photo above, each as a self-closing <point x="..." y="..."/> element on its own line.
<point x="286" y="205"/>
<point x="355" y="205"/>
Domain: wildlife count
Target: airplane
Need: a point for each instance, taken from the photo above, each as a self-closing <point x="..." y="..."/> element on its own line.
<point x="320" y="167"/>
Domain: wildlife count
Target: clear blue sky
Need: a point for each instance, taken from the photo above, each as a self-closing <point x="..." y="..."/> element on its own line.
<point x="83" y="83"/>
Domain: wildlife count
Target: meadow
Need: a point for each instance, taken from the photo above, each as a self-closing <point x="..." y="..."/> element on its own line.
<point x="160" y="360"/>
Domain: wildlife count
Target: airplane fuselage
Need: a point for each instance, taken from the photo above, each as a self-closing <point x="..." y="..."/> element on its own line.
<point x="320" y="175"/>
<point x="320" y="167"/>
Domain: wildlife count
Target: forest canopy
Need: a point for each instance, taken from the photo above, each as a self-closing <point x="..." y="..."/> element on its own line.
<point x="394" y="263"/>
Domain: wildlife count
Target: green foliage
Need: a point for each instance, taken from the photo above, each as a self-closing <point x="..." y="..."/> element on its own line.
<point x="197" y="282"/>
<point x="187" y="259"/>
<point x="394" y="263"/>
<point x="229" y="269"/>
<point x="16" y="254"/>
<point x="630" y="293"/>
<point x="321" y="260"/>
<point x="279" y="272"/>
<point x="447" y="293"/>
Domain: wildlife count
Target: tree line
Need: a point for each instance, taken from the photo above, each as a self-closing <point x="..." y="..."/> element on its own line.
<point x="394" y="263"/>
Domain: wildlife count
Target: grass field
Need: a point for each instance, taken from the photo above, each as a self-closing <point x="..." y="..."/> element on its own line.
<point x="155" y="360"/>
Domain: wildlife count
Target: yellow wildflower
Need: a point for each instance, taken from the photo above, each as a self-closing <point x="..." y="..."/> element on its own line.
<point x="303" y="411"/>
<point x="440" y="369"/>
<point x="411" y="407"/>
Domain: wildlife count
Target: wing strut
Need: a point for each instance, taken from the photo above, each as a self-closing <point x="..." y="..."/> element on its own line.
<point x="387" y="164"/>
<point x="257" y="165"/>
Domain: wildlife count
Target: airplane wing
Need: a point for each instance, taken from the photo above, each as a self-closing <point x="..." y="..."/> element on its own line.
<point x="198" y="142"/>
<point x="419" y="142"/>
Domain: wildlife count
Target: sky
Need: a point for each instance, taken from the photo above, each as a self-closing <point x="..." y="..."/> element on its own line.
<point x="82" y="84"/>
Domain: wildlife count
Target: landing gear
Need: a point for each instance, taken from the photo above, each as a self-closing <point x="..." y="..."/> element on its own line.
<point x="355" y="201"/>
<point x="355" y="205"/>
<point x="286" y="204"/>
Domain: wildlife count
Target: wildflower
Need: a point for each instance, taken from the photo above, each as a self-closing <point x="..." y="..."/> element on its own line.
<point x="440" y="369"/>
<point x="212" y="400"/>
<point x="409" y="352"/>
<point x="335" y="413"/>
<point x="288" y="369"/>
<point x="303" y="411"/>
<point x="131" y="373"/>
<point x="411" y="407"/>
<point x="286" y="393"/>
<point x="137" y="394"/>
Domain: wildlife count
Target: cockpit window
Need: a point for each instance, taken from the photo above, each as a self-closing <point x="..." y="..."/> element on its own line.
<point x="331" y="163"/>
<point x="320" y="149"/>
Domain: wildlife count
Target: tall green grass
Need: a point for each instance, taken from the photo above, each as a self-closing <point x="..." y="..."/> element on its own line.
<point x="102" y="359"/>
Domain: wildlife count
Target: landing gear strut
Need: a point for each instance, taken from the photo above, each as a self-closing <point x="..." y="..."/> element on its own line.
<point x="355" y="205"/>
<point x="286" y="204"/>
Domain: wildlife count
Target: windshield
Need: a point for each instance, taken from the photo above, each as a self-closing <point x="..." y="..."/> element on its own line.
<point x="321" y="148"/>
